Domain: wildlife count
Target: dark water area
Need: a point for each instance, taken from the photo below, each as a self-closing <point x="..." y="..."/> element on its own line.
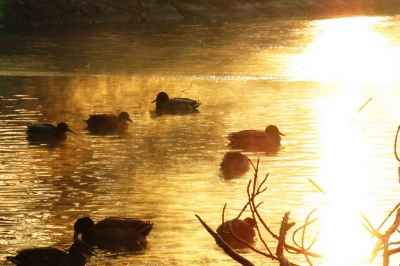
<point x="308" y="77"/>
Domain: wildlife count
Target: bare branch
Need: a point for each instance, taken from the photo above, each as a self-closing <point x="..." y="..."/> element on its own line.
<point x="395" y="145"/>
<point x="188" y="88"/>
<point x="387" y="217"/>
<point x="302" y="237"/>
<point x="316" y="185"/>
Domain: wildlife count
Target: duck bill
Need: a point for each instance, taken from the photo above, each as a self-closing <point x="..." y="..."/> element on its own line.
<point x="154" y="101"/>
<point x="130" y="120"/>
<point x="280" y="133"/>
<point x="70" y="130"/>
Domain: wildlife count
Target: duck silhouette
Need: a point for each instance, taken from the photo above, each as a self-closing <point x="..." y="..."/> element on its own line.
<point x="48" y="132"/>
<point x="107" y="123"/>
<point x="255" y="140"/>
<point x="113" y="232"/>
<point x="243" y="229"/>
<point x="167" y="105"/>
<point x="50" y="256"/>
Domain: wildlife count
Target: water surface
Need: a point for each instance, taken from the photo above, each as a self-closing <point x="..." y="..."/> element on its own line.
<point x="308" y="77"/>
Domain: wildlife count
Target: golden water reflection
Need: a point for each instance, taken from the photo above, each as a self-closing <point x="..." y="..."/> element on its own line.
<point x="347" y="50"/>
<point x="165" y="169"/>
<point x="346" y="176"/>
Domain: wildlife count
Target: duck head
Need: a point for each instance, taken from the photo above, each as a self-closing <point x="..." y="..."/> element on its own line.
<point x="125" y="117"/>
<point x="63" y="127"/>
<point x="273" y="130"/>
<point x="162" y="97"/>
<point x="251" y="222"/>
<point x="84" y="226"/>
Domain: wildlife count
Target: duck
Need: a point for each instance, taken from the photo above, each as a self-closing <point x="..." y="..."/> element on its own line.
<point x="234" y="164"/>
<point x="113" y="232"/>
<point x="107" y="123"/>
<point x="255" y="140"/>
<point x="243" y="229"/>
<point x="164" y="104"/>
<point x="51" y="256"/>
<point x="48" y="132"/>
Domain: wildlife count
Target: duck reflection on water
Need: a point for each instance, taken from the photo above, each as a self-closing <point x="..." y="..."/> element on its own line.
<point x="234" y="165"/>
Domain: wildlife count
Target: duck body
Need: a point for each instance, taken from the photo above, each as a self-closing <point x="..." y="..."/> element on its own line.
<point x="234" y="164"/>
<point x="48" y="132"/>
<point x="255" y="140"/>
<point x="164" y="104"/>
<point x="113" y="232"/>
<point x="243" y="229"/>
<point x="107" y="123"/>
<point x="50" y="256"/>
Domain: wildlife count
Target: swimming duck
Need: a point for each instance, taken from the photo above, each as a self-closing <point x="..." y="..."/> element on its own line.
<point x="48" y="132"/>
<point x="107" y="123"/>
<point x="243" y="229"/>
<point x="50" y="256"/>
<point x="175" y="105"/>
<point x="234" y="164"/>
<point x="113" y="231"/>
<point x="254" y="140"/>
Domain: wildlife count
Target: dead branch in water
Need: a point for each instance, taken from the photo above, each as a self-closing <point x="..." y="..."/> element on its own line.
<point x="184" y="91"/>
<point x="285" y="227"/>
<point x="254" y="189"/>
<point x="383" y="239"/>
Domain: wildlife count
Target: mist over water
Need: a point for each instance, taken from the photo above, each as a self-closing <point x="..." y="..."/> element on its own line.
<point x="166" y="168"/>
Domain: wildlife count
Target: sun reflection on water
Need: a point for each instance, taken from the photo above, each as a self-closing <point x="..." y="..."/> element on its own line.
<point x="346" y="50"/>
<point x="346" y="178"/>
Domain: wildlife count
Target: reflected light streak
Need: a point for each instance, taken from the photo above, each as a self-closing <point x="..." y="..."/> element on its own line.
<point x="345" y="177"/>
<point x="347" y="50"/>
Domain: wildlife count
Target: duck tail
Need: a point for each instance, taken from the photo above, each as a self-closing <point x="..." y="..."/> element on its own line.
<point x="145" y="228"/>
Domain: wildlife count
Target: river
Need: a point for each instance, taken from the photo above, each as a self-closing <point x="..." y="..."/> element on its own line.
<point x="330" y="85"/>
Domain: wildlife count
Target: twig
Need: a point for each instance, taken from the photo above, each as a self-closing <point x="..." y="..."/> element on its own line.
<point x="302" y="237"/>
<point x="251" y="196"/>
<point x="228" y="250"/>
<point x="387" y="217"/>
<point x="370" y="228"/>
<point x="184" y="91"/>
<point x="384" y="240"/>
<point x="359" y="109"/>
<point x="298" y="229"/>
<point x="316" y="185"/>
<point x="395" y="145"/>
<point x="285" y="226"/>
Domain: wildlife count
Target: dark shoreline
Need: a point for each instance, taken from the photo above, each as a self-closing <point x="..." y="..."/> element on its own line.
<point x="33" y="13"/>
